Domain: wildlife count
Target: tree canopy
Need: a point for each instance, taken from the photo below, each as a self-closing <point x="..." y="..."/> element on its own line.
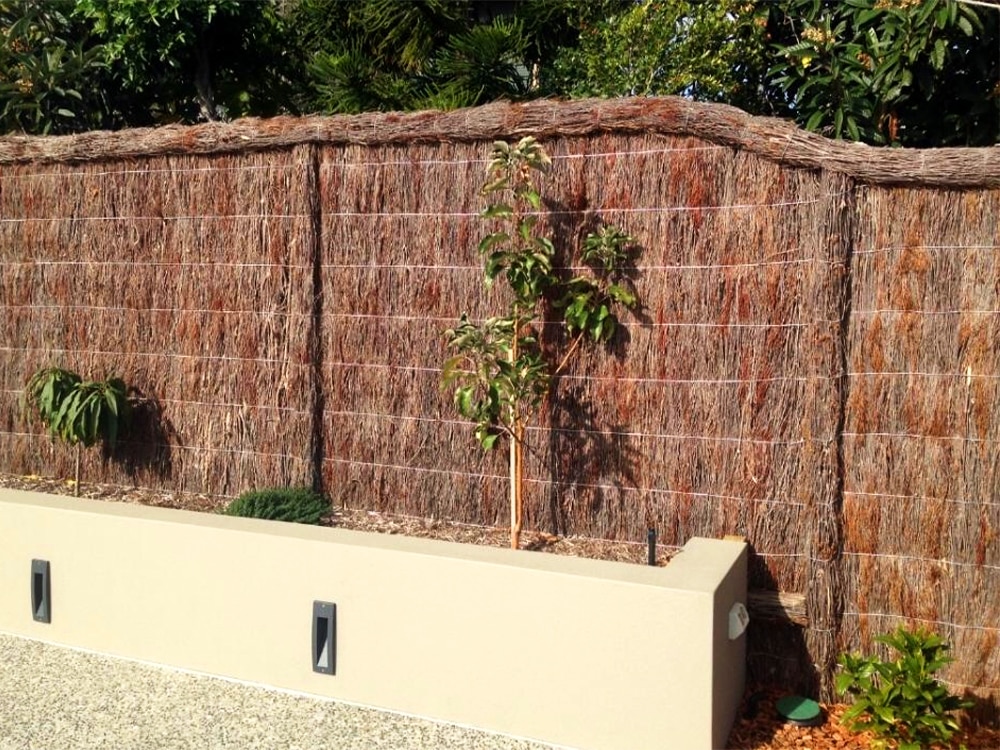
<point x="897" y="72"/>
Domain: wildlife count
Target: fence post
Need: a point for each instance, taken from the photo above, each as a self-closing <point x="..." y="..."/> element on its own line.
<point x="824" y="422"/>
<point x="314" y="251"/>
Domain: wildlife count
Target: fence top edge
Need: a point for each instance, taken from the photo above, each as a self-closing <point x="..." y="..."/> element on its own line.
<point x="771" y="138"/>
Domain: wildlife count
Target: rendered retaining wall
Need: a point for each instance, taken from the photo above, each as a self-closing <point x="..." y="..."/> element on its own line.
<point x="569" y="651"/>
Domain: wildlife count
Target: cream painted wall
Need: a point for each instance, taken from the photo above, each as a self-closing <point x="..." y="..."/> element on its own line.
<point x="582" y="653"/>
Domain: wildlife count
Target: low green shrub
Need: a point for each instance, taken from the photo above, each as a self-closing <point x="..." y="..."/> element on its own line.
<point x="900" y="701"/>
<point x="293" y="504"/>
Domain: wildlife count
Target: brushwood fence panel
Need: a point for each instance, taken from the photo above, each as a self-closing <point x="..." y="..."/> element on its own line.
<point x="813" y="365"/>
<point x="188" y="277"/>
<point x="921" y="439"/>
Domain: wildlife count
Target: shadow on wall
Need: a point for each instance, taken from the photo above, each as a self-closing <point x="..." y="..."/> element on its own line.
<point x="777" y="654"/>
<point x="146" y="447"/>
<point x="583" y="456"/>
<point x="984" y="710"/>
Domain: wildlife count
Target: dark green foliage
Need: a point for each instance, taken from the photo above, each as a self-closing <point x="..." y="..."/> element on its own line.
<point x="48" y="66"/>
<point x="387" y="55"/>
<point x="901" y="700"/>
<point x="897" y="72"/>
<point x="292" y="504"/>
<point x="190" y="59"/>
<point x="76" y="410"/>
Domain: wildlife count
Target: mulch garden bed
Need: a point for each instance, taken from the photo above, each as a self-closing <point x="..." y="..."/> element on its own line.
<point x="760" y="728"/>
<point x="757" y="728"/>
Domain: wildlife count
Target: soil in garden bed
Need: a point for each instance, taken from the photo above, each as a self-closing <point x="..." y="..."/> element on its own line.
<point x="757" y="728"/>
<point x="360" y="520"/>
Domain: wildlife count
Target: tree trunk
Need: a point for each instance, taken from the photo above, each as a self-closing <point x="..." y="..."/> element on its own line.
<point x="516" y="471"/>
<point x="76" y="477"/>
<point x="203" y="80"/>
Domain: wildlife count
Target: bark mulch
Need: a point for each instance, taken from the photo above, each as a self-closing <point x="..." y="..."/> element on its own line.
<point x="760" y="728"/>
<point x="757" y="728"/>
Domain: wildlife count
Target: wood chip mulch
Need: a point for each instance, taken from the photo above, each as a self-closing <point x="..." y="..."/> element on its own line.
<point x="757" y="728"/>
<point x="760" y="728"/>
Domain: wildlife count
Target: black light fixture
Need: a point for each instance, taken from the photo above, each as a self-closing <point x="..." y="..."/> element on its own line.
<point x="41" y="591"/>
<point x="324" y="637"/>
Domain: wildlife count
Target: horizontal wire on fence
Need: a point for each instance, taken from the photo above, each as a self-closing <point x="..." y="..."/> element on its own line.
<point x="366" y="316"/>
<point x="171" y="171"/>
<point x="166" y="355"/>
<point x="402" y="368"/>
<point x="201" y="217"/>
<point x="575" y="212"/>
<point x="934" y="248"/>
<point x="154" y="264"/>
<point x="551" y="482"/>
<point x="446" y="320"/>
<point x="901" y="311"/>
<point x="187" y="310"/>
<point x="372" y="266"/>
<point x="370" y="215"/>
<point x="968" y="374"/>
<point x="918" y="436"/>
<point x="922" y="498"/>
<point x="599" y="378"/>
<point x="209" y="404"/>
<point x="888" y="615"/>
<point x="669" y="267"/>
<point x="581" y="431"/>
<point x="176" y="446"/>
<point x="755" y="553"/>
<point x="917" y="559"/>
<point x="329" y="164"/>
<point x="384" y="266"/>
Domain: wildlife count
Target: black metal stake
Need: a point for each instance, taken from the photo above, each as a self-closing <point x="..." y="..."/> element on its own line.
<point x="651" y="546"/>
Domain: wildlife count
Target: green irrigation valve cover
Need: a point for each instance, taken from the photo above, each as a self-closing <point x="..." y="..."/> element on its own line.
<point x="800" y="711"/>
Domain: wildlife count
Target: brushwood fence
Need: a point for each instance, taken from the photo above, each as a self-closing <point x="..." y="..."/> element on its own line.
<point x="814" y="364"/>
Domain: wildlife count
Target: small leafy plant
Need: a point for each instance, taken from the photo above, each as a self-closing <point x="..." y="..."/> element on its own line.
<point x="76" y="411"/>
<point x="292" y="504"/>
<point x="901" y="701"/>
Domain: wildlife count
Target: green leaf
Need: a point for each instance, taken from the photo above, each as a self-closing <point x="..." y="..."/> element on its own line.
<point x="463" y="400"/>
<point x="486" y="243"/>
<point x="497" y="210"/>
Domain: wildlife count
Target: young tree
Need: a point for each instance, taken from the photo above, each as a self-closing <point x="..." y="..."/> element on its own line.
<point x="78" y="412"/>
<point x="500" y="373"/>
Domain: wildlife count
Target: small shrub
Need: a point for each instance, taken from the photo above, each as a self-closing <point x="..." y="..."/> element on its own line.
<point x="293" y="504"/>
<point x="79" y="412"/>
<point x="76" y="410"/>
<point x="901" y="701"/>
